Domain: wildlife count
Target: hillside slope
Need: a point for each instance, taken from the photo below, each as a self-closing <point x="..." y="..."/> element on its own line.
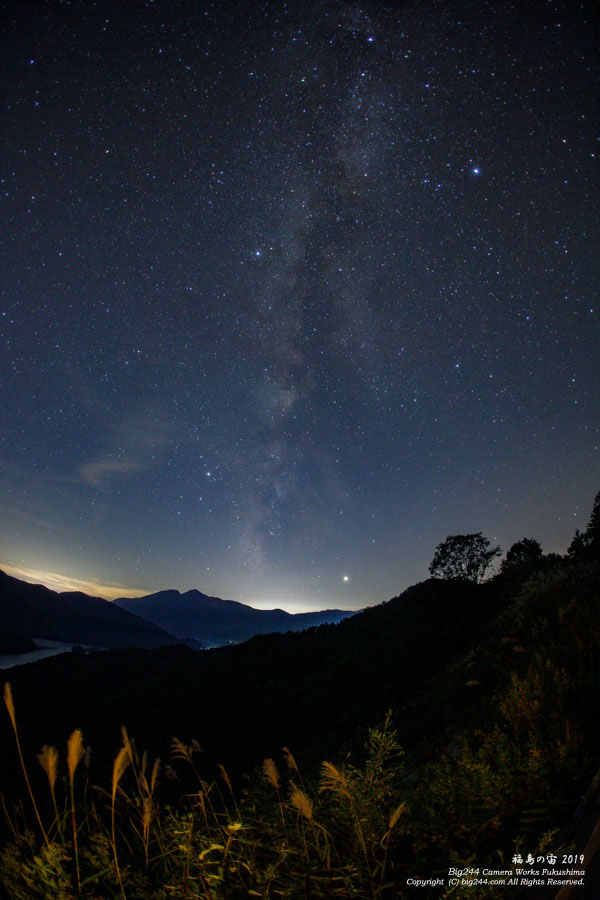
<point x="307" y="690"/>
<point x="34" y="611"/>
<point x="492" y="687"/>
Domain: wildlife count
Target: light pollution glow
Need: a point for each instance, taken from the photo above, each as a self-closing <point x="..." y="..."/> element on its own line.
<point x="113" y="590"/>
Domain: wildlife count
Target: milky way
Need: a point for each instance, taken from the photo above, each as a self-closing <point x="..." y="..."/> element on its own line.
<point x="293" y="290"/>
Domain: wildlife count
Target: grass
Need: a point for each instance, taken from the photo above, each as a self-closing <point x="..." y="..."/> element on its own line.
<point x="507" y="781"/>
<point x="276" y="839"/>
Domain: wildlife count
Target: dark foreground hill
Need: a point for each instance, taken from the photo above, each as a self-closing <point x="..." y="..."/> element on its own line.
<point x="213" y="622"/>
<point x="34" y="611"/>
<point x="306" y="690"/>
<point x="493" y="688"/>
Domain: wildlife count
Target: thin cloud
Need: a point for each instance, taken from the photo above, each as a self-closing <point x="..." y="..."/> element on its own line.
<point x="134" y="445"/>
<point x="97" y="471"/>
<point x="56" y="582"/>
<point x="11" y="511"/>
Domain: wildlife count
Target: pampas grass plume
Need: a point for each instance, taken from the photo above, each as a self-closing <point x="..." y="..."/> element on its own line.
<point x="334" y="780"/>
<point x="48" y="760"/>
<point x="270" y="772"/>
<point x="302" y="803"/>
<point x="75" y="752"/>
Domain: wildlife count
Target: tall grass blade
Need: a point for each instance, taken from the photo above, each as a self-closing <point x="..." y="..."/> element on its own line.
<point x="75" y="753"/>
<point x="10" y="706"/>
<point x="48" y="760"/>
<point x="120" y="766"/>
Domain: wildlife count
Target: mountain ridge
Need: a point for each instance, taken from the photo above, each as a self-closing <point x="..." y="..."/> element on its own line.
<point x="213" y="621"/>
<point x="33" y="610"/>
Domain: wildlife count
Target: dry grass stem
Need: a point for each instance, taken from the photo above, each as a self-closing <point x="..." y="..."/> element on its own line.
<point x="270" y="772"/>
<point x="10" y="706"/>
<point x="119" y="768"/>
<point x="396" y="815"/>
<point x="302" y="803"/>
<point x="290" y="761"/>
<point x="334" y="780"/>
<point x="75" y="752"/>
<point x="48" y="760"/>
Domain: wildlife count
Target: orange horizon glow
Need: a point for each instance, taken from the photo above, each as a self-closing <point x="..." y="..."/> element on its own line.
<point x="58" y="582"/>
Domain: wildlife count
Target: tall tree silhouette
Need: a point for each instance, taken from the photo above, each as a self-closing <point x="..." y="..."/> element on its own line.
<point x="463" y="556"/>
<point x="587" y="543"/>
<point x="524" y="554"/>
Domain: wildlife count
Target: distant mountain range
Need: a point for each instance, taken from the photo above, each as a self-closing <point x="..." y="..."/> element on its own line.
<point x="29" y="611"/>
<point x="308" y="691"/>
<point x="214" y="622"/>
<point x="33" y="611"/>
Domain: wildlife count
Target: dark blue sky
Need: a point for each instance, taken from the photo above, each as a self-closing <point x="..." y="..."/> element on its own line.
<point x="293" y="290"/>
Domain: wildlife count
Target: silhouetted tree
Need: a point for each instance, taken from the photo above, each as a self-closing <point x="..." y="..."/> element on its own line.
<point x="465" y="556"/>
<point x="593" y="529"/>
<point x="524" y="554"/>
<point x="586" y="544"/>
<point x="579" y="545"/>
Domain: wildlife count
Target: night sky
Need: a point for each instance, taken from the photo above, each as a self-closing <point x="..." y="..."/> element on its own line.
<point x="293" y="290"/>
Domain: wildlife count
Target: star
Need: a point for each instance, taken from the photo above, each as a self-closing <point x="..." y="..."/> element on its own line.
<point x="324" y="383"/>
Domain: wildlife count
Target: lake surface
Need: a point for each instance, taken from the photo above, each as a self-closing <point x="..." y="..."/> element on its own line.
<point x="45" y="648"/>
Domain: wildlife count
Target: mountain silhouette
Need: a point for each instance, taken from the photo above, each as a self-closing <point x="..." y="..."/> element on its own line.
<point x="310" y="690"/>
<point x="213" y="622"/>
<point x="34" y="611"/>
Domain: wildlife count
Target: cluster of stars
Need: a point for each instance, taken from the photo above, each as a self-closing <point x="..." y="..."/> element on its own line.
<point x="296" y="291"/>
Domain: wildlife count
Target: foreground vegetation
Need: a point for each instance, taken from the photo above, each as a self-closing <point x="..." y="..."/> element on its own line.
<point x="518" y="747"/>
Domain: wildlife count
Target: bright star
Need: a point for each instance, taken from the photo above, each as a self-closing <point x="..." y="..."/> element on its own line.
<point x="346" y="578"/>
<point x="476" y="170"/>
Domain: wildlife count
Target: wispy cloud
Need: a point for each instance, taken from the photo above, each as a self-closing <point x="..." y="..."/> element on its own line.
<point x="9" y="510"/>
<point x="135" y="444"/>
<point x="98" y="471"/>
<point x="56" y="582"/>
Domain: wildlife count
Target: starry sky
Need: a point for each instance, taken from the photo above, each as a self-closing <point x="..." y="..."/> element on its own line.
<point x="293" y="290"/>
